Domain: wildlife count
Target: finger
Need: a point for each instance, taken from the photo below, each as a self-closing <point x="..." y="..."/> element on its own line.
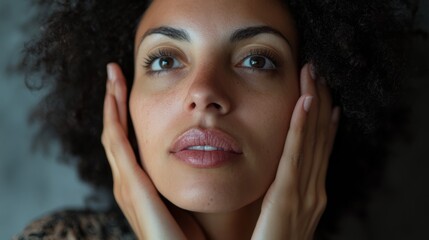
<point x="130" y="182"/>
<point x="322" y="134"/>
<point x="118" y="149"/>
<point x="332" y="132"/>
<point x="108" y="114"/>
<point x="133" y="189"/>
<point x="289" y="165"/>
<point x="120" y="152"/>
<point x="333" y="126"/>
<point x="308" y="86"/>
<point x="119" y="91"/>
<point x="316" y="185"/>
<point x="314" y="198"/>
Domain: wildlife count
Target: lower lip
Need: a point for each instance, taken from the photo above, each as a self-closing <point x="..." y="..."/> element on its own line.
<point x="205" y="159"/>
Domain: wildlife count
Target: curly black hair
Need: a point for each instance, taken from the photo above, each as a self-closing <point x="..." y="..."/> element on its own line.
<point x="355" y="45"/>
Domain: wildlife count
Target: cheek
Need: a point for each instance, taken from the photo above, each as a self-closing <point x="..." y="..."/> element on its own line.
<point x="269" y="123"/>
<point x="273" y="126"/>
<point x="149" y="115"/>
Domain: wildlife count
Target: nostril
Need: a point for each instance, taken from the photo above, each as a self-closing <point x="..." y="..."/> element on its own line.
<point x="217" y="106"/>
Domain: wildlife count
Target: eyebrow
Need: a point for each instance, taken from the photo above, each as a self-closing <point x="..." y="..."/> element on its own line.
<point x="174" y="33"/>
<point x="238" y="35"/>
<point x="250" y="32"/>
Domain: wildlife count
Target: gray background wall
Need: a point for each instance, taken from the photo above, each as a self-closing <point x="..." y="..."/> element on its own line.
<point x="33" y="183"/>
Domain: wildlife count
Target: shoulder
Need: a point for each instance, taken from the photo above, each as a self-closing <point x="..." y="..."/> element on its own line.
<point x="78" y="224"/>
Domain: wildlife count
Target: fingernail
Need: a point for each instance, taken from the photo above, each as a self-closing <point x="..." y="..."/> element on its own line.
<point x="312" y="71"/>
<point x="307" y="103"/>
<point x="110" y="72"/>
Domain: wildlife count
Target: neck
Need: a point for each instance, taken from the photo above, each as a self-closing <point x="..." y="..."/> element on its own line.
<point x="238" y="224"/>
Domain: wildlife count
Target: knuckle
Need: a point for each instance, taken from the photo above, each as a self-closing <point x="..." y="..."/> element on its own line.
<point x="120" y="193"/>
<point x="315" y="203"/>
<point x="117" y="192"/>
<point x="104" y="138"/>
<point x="310" y="204"/>
<point x="107" y="136"/>
<point x="112" y="139"/>
<point x="296" y="159"/>
<point x="322" y="202"/>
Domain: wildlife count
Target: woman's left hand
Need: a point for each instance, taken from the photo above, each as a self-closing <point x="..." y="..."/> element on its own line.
<point x="296" y="199"/>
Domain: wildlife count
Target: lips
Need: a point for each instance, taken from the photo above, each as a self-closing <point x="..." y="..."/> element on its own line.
<point x="205" y="148"/>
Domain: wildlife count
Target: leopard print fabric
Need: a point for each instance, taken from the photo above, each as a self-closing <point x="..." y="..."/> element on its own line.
<point x="77" y="225"/>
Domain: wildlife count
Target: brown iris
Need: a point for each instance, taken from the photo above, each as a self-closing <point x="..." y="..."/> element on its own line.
<point x="166" y="62"/>
<point x="257" y="61"/>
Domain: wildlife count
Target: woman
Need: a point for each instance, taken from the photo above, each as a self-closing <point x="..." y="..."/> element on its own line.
<point x="218" y="120"/>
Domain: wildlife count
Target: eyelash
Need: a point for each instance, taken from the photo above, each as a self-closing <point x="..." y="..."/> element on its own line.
<point x="263" y="53"/>
<point x="162" y="52"/>
<point x="148" y="61"/>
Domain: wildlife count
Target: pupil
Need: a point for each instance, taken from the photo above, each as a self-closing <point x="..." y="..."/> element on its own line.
<point x="257" y="62"/>
<point x="166" y="62"/>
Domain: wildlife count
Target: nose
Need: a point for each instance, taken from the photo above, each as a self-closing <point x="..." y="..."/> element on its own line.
<point x="207" y="92"/>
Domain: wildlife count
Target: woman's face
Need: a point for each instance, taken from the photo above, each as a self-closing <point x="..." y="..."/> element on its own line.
<point x="215" y="86"/>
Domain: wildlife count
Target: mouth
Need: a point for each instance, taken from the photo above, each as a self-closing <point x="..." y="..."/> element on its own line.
<point x="205" y="148"/>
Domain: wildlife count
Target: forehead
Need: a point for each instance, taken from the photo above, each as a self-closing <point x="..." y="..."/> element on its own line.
<point x="218" y="17"/>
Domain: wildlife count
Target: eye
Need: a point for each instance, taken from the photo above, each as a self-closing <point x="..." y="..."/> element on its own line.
<point x="163" y="60"/>
<point x="259" y="59"/>
<point x="258" y="62"/>
<point x="164" y="63"/>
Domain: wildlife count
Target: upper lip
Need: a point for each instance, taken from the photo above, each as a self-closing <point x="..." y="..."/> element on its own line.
<point x="206" y="137"/>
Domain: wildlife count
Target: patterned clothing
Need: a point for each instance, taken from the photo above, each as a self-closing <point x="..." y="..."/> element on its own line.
<point x="77" y="225"/>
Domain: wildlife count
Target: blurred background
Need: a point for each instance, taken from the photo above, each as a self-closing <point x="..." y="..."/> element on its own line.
<point x="33" y="183"/>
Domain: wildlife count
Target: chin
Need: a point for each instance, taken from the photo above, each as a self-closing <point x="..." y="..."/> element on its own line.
<point x="207" y="205"/>
<point x="213" y="198"/>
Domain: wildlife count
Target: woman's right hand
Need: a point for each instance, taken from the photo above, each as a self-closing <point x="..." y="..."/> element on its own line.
<point x="133" y="190"/>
